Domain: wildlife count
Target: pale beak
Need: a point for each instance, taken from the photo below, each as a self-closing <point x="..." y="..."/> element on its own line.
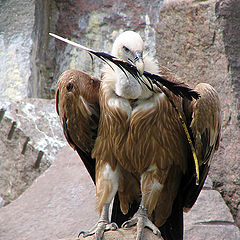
<point x="139" y="62"/>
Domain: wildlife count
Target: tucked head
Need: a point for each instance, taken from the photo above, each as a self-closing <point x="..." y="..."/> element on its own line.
<point x="129" y="47"/>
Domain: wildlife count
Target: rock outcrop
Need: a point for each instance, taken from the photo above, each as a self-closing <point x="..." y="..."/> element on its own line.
<point x="61" y="203"/>
<point x="30" y="138"/>
<point x="16" y="25"/>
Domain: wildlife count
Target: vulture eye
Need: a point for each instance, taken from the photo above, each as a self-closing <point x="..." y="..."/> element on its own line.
<point x="69" y="86"/>
<point x="126" y="49"/>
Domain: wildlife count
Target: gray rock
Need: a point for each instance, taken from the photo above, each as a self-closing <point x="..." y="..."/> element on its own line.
<point x="61" y="203"/>
<point x="16" y="27"/>
<point x="210" y="218"/>
<point x="2" y="202"/>
<point x="38" y="119"/>
<point x="213" y="209"/>
<point x="212" y="232"/>
<point x="208" y="183"/>
<point x="31" y="136"/>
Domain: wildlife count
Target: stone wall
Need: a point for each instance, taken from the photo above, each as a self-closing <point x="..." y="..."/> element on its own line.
<point x="26" y="163"/>
<point x="31" y="136"/>
<point x="16" y="25"/>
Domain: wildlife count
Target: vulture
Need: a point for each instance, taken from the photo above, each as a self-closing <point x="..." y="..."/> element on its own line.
<point x="137" y="130"/>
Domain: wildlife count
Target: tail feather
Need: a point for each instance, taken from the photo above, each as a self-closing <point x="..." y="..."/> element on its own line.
<point x="173" y="227"/>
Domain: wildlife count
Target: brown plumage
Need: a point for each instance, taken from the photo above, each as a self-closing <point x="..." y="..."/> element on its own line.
<point x="141" y="149"/>
<point x="77" y="105"/>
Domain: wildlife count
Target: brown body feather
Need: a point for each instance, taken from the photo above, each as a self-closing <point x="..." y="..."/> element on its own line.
<point x="148" y="140"/>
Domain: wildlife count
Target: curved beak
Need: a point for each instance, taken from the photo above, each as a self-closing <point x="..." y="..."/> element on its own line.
<point x="138" y="60"/>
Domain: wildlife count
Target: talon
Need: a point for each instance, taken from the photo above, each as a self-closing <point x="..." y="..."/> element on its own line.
<point x="82" y="232"/>
<point x="130" y="223"/>
<point x="140" y="218"/>
<point x="112" y="226"/>
<point x="101" y="226"/>
<point x="99" y="229"/>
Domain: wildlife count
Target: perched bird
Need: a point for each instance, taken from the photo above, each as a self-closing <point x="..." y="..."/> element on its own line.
<point x="136" y="136"/>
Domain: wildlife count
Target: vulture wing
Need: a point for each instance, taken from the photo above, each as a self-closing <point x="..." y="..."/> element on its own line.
<point x="204" y="122"/>
<point x="78" y="109"/>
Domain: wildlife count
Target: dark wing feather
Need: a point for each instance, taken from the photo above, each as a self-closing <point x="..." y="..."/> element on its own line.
<point x="204" y="122"/>
<point x="178" y="88"/>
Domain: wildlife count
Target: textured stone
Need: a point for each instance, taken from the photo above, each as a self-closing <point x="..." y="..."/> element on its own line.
<point x="43" y="55"/>
<point x="38" y="119"/>
<point x="213" y="209"/>
<point x="17" y="167"/>
<point x="210" y="218"/>
<point x="96" y="25"/>
<point x="122" y="234"/>
<point x="2" y="202"/>
<point x="31" y="135"/>
<point x="212" y="232"/>
<point x="61" y="203"/>
<point x="16" y="26"/>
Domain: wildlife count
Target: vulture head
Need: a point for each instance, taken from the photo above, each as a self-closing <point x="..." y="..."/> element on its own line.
<point x="128" y="46"/>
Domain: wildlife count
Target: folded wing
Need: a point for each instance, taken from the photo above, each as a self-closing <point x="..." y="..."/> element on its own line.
<point x="204" y="121"/>
<point x="78" y="109"/>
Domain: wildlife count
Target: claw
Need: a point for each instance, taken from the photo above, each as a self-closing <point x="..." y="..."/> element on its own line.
<point x="101" y="226"/>
<point x="98" y="229"/>
<point x="133" y="221"/>
<point x="140" y="218"/>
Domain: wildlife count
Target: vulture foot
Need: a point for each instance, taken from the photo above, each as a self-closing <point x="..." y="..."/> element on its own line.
<point x="101" y="226"/>
<point x="141" y="219"/>
<point x="98" y="229"/>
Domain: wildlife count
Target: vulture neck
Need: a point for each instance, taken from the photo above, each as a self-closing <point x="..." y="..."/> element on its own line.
<point x="129" y="88"/>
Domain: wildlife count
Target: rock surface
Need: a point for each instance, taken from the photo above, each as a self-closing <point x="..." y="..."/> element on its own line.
<point x="16" y="26"/>
<point x="121" y="234"/>
<point x="61" y="202"/>
<point x="53" y="206"/>
<point x="30" y="137"/>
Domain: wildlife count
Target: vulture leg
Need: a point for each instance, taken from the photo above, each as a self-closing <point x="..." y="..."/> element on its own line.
<point x="101" y="226"/>
<point x="141" y="219"/>
<point x="150" y="188"/>
<point x="106" y="188"/>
